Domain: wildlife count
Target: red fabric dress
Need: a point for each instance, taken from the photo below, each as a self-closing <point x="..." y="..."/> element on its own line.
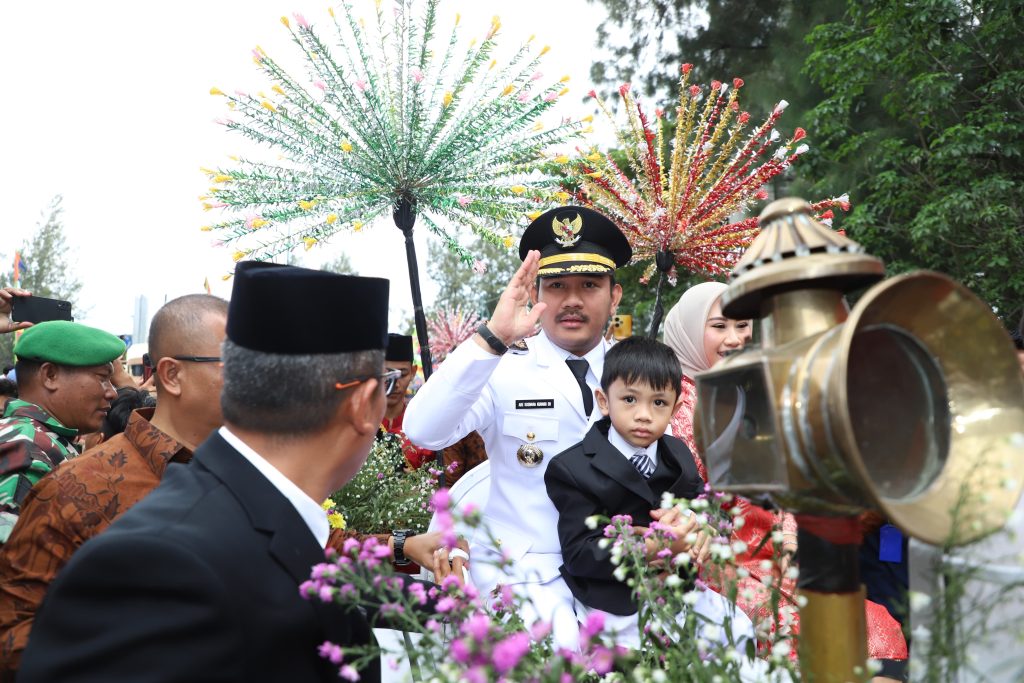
<point x="885" y="637"/>
<point x="414" y="455"/>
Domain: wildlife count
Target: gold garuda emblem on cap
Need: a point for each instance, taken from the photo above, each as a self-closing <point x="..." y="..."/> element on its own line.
<point x="567" y="232"/>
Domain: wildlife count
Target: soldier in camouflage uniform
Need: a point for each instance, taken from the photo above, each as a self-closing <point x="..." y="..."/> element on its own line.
<point x="64" y="371"/>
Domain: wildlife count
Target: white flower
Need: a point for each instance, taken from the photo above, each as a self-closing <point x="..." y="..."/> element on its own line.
<point x="765" y="565"/>
<point x="712" y="631"/>
<point x="681" y="560"/>
<point x="781" y="153"/>
<point x="919" y="600"/>
<point x="739" y="522"/>
<point x="742" y="572"/>
<point x="592" y="521"/>
<point x="767" y="580"/>
<point x="801" y="601"/>
<point x="691" y="598"/>
<point x="778" y="537"/>
<point x="659" y="676"/>
<point x="781" y="106"/>
<point x="781" y="649"/>
<point x="874" y="666"/>
<point x="691" y="538"/>
<point x="667" y="499"/>
<point x="801" y="149"/>
<point x="673" y="581"/>
<point x="739" y="547"/>
<point x="792" y="573"/>
<point x="604" y="543"/>
<point x="774" y="136"/>
<point x="620" y="573"/>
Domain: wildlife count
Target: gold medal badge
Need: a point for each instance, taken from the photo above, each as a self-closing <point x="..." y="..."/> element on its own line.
<point x="528" y="454"/>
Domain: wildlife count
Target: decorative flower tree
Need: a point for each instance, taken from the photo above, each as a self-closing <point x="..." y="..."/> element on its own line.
<point x="448" y="328"/>
<point x="685" y="214"/>
<point x="391" y="124"/>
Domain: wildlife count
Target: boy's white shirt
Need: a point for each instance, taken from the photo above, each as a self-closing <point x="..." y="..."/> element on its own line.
<point x="627" y="449"/>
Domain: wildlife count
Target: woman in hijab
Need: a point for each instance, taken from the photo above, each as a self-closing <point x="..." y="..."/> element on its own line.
<point x="701" y="336"/>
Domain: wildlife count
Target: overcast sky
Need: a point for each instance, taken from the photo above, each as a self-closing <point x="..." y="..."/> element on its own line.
<point x="107" y="103"/>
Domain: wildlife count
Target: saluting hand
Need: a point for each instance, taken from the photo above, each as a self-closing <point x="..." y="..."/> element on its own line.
<point x="513" y="318"/>
<point x="7" y="295"/>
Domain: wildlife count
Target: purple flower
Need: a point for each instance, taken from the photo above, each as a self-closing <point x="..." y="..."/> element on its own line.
<point x="349" y="673"/>
<point x="332" y="652"/>
<point x="418" y="593"/>
<point x="602" y="660"/>
<point x="540" y="630"/>
<point x="477" y="626"/>
<point x="460" y="651"/>
<point x="380" y="476"/>
<point x="593" y="625"/>
<point x="326" y="594"/>
<point x="441" y="500"/>
<point x="446" y="604"/>
<point x="508" y="652"/>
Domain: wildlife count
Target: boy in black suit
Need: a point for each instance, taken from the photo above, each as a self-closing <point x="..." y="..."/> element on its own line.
<point x="623" y="466"/>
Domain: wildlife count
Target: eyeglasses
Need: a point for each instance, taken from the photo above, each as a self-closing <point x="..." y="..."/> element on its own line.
<point x="198" y="359"/>
<point x="388" y="379"/>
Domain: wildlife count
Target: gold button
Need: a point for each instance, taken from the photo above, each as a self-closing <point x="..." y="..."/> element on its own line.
<point x="530" y="436"/>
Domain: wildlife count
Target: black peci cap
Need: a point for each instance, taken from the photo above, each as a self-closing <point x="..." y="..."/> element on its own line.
<point x="575" y="240"/>
<point x="288" y="310"/>
<point x="399" y="348"/>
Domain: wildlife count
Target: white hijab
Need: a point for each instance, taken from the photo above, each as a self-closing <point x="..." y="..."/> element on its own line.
<point x="685" y="323"/>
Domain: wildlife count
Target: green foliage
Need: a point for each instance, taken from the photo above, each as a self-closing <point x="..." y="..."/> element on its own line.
<point x="341" y="265"/>
<point x="463" y="287"/>
<point x="925" y="107"/>
<point x="47" y="270"/>
<point x="384" y="494"/>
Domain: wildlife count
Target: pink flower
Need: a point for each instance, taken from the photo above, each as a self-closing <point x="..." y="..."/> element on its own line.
<point x="536" y="76"/>
<point x="540" y="629"/>
<point x="441" y="500"/>
<point x="716" y="85"/>
<point x="321" y="85"/>
<point x="523" y="96"/>
<point x="592" y="94"/>
<point x="417" y="75"/>
<point x="460" y="651"/>
<point x="301" y="20"/>
<point x="478" y="626"/>
<point x="241" y="93"/>
<point x="685" y="68"/>
<point x="737" y="83"/>
<point x="216" y="243"/>
<point x="463" y="200"/>
<point x="694" y="90"/>
<point x="332" y="652"/>
<point x="360" y="85"/>
<point x="349" y="673"/>
<point x="479" y="267"/>
<point x="551" y="97"/>
<point x="446" y="604"/>
<point x="508" y="652"/>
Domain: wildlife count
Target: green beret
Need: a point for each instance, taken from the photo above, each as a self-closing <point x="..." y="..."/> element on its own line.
<point x="67" y="343"/>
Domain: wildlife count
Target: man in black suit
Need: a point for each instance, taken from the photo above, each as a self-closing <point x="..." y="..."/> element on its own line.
<point x="200" y="581"/>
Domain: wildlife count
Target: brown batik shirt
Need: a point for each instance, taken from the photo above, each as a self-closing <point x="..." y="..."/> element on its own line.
<point x="75" y="502"/>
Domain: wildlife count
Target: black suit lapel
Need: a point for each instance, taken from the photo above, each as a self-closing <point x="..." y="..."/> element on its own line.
<point x="291" y="542"/>
<point x="606" y="458"/>
<point x="688" y="484"/>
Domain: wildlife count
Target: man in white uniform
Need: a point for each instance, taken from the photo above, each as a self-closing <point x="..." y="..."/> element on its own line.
<point x="530" y="401"/>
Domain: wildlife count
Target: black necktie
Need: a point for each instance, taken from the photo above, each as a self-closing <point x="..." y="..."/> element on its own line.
<point x="579" y="368"/>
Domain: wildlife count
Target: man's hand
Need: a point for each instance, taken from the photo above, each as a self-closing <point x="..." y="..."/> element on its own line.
<point x="513" y="319"/>
<point x="452" y="562"/>
<point x="420" y="548"/>
<point x="7" y="295"/>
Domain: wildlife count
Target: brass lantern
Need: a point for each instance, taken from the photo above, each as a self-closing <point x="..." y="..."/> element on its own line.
<point x="911" y="403"/>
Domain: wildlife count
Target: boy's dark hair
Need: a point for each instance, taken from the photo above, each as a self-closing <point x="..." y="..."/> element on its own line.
<point x="640" y="359"/>
<point x="128" y="399"/>
<point x="8" y="388"/>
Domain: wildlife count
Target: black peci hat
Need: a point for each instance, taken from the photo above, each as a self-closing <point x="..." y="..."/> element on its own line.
<point x="575" y="240"/>
<point x="288" y="310"/>
<point x="399" y="348"/>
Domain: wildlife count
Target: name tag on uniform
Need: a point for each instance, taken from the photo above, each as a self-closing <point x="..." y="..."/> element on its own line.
<point x="533" y="403"/>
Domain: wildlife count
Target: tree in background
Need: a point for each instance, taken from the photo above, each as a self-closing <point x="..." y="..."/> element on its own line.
<point x="925" y="107"/>
<point x="473" y="288"/>
<point x="47" y="267"/>
<point x="341" y="265"/>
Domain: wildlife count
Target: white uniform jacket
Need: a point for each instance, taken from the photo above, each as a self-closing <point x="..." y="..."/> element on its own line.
<point x="511" y="400"/>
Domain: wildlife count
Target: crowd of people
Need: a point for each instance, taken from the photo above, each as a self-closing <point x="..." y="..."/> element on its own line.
<point x="165" y="539"/>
